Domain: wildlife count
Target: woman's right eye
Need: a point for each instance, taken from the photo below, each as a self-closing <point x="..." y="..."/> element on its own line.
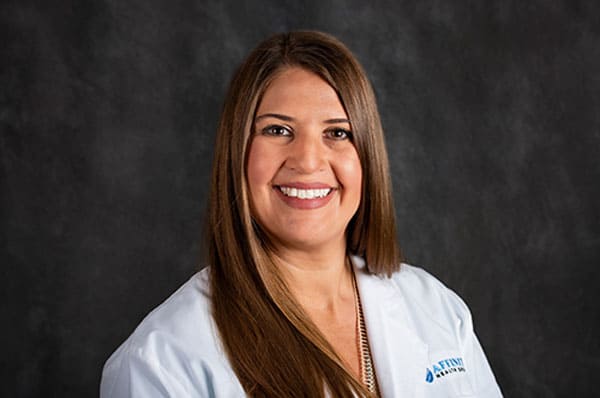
<point x="276" y="130"/>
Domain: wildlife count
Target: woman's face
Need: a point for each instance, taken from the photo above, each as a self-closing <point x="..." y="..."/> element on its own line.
<point x="303" y="171"/>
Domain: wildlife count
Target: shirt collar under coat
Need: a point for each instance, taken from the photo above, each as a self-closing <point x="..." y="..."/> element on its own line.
<point x="399" y="355"/>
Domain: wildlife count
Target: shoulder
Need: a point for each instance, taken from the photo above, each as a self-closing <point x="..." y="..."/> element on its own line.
<point x="175" y="349"/>
<point x="431" y="305"/>
<point x="416" y="299"/>
<point x="422" y="294"/>
<point x="427" y="292"/>
<point x="179" y="318"/>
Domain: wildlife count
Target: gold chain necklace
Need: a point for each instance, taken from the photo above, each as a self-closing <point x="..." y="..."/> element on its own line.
<point x="365" y="361"/>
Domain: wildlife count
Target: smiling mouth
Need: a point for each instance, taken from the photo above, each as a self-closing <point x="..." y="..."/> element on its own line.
<point x="305" y="193"/>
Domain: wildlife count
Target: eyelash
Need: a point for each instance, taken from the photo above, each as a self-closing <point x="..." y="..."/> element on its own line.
<point x="331" y="133"/>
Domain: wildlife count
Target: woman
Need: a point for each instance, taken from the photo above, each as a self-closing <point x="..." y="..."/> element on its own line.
<point x="304" y="295"/>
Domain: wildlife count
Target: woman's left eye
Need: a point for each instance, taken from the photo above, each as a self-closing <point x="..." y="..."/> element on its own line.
<point x="339" y="134"/>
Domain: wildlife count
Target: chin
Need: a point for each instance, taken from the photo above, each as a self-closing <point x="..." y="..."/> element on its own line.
<point x="307" y="241"/>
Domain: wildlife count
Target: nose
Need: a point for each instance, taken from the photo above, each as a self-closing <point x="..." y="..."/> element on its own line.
<point x="307" y="153"/>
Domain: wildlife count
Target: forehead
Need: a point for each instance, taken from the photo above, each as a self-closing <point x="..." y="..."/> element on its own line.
<point x="299" y="92"/>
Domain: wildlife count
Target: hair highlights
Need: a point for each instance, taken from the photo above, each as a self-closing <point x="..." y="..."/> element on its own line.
<point x="273" y="347"/>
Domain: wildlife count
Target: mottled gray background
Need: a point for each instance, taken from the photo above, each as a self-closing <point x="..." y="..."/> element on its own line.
<point x="108" y="111"/>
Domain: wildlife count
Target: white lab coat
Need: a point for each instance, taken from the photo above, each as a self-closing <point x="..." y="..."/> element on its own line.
<point x="420" y="333"/>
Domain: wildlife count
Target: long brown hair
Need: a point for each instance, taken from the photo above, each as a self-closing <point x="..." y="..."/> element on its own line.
<point x="272" y="345"/>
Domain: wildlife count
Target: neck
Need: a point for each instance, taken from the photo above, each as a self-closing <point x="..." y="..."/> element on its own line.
<point x="319" y="281"/>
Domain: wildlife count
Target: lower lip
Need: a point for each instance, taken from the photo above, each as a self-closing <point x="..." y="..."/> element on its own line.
<point x="305" y="204"/>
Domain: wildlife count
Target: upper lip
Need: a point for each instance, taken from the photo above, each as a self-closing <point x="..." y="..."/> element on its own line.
<point x="305" y="185"/>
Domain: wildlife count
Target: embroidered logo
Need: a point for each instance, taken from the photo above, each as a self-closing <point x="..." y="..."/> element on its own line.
<point x="443" y="368"/>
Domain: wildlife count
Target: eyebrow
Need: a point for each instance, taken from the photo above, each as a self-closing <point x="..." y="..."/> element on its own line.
<point x="291" y="119"/>
<point x="275" y="115"/>
<point x="341" y="120"/>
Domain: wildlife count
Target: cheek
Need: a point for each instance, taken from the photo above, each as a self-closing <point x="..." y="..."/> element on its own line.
<point x="350" y="172"/>
<point x="259" y="167"/>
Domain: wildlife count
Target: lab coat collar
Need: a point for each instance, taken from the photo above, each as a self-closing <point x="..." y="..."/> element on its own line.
<point x="399" y="355"/>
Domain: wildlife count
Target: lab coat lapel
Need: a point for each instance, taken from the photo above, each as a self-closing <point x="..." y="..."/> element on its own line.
<point x="399" y="356"/>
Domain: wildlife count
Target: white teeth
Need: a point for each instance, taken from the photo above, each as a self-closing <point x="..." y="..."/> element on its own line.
<point x="305" y="193"/>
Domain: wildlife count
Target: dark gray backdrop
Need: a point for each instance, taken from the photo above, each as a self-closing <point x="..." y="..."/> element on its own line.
<point x="108" y="110"/>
